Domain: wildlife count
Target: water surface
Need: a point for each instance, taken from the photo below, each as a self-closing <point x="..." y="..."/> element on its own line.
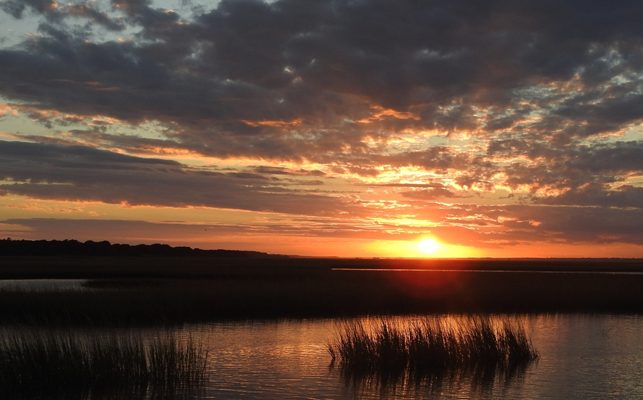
<point x="589" y="357"/>
<point x="581" y="356"/>
<point x="34" y="285"/>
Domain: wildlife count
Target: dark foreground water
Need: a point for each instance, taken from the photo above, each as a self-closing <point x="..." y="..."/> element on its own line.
<point x="581" y="357"/>
<point x="585" y="357"/>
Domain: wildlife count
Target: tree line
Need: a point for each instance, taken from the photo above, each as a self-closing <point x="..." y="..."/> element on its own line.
<point x="10" y="246"/>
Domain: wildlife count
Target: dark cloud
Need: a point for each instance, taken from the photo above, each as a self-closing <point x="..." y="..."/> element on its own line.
<point x="154" y="231"/>
<point x="494" y="226"/>
<point x="17" y="8"/>
<point x="600" y="195"/>
<point x="579" y="169"/>
<point x="82" y="173"/>
<point x="211" y="79"/>
<point x="441" y="158"/>
<point x="430" y="192"/>
<point x="576" y="224"/>
<point x="109" y="229"/>
<point x="56" y="12"/>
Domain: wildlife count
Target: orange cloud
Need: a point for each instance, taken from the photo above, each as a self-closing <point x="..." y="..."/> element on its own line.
<point x="274" y="123"/>
<point x="7" y="109"/>
<point x="380" y="113"/>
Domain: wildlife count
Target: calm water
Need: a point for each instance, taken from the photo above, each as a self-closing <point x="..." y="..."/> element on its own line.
<point x="42" y="284"/>
<point x="589" y="357"/>
<point x="581" y="356"/>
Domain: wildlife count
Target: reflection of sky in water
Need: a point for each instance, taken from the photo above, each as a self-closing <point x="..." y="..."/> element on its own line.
<point x="585" y="357"/>
<point x="580" y="357"/>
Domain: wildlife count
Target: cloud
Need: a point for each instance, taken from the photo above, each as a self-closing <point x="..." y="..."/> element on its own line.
<point x="56" y="12"/>
<point x="575" y="172"/>
<point x="600" y="195"/>
<point x="506" y="225"/>
<point x="81" y="173"/>
<point x="103" y="229"/>
<point x="211" y="79"/>
<point x="578" y="224"/>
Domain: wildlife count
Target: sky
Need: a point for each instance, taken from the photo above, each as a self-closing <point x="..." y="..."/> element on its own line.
<point x="360" y="128"/>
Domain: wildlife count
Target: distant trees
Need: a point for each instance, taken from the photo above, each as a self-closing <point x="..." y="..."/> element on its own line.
<point x="104" y="248"/>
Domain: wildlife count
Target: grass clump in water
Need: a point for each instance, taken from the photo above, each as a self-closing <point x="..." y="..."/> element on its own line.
<point x="430" y="348"/>
<point x="79" y="366"/>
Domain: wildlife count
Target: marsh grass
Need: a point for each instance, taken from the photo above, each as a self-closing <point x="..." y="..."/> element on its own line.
<point x="79" y="366"/>
<point x="431" y="349"/>
<point x="272" y="292"/>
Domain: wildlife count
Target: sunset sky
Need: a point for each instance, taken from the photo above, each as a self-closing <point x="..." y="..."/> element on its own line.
<point x="340" y="128"/>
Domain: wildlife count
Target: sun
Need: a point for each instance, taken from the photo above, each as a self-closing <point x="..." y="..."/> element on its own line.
<point x="428" y="246"/>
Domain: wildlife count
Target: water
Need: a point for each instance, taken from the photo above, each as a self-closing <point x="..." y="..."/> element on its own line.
<point x="589" y="357"/>
<point x="581" y="356"/>
<point x="34" y="285"/>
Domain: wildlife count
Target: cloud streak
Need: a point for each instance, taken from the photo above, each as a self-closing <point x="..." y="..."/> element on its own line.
<point x="82" y="173"/>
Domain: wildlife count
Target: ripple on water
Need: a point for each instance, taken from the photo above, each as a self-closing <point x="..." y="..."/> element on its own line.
<point x="581" y="356"/>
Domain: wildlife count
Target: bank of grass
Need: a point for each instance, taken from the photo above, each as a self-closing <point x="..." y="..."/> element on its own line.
<point x="302" y="293"/>
<point x="430" y="348"/>
<point x="72" y="365"/>
<point x="329" y="294"/>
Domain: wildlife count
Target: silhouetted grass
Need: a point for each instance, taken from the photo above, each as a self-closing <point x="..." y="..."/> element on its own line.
<point x="429" y="349"/>
<point x="52" y="365"/>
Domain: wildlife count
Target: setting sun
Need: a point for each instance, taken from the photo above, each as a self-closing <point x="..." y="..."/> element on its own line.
<point x="429" y="246"/>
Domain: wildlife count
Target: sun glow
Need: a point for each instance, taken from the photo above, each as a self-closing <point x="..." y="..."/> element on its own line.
<point x="422" y="247"/>
<point x="428" y="246"/>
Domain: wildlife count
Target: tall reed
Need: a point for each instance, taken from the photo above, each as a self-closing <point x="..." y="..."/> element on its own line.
<point x="430" y="347"/>
<point x="72" y="365"/>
